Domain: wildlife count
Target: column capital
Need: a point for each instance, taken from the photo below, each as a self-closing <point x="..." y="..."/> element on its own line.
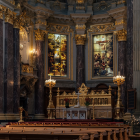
<point x="17" y="22"/>
<point x="80" y="39"/>
<point x="122" y="35"/>
<point x="39" y="34"/>
<point x="9" y="16"/>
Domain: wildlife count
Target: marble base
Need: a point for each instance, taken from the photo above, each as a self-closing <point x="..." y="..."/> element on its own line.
<point x="12" y="116"/>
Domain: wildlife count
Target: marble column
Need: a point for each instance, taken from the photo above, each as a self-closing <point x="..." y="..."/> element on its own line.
<point x="134" y="28"/>
<point x="8" y="69"/>
<point x="16" y="96"/>
<point x="129" y="50"/>
<point x="1" y="67"/>
<point x="122" y="69"/>
<point x="80" y="60"/>
<point x="39" y="91"/>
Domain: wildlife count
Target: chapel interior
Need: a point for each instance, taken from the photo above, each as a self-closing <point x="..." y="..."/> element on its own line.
<point x="69" y="69"/>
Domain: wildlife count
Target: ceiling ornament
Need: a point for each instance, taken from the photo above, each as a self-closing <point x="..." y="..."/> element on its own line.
<point x="103" y="5"/>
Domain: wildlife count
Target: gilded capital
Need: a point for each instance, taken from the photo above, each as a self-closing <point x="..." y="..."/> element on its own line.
<point x="2" y="10"/>
<point x="80" y="39"/>
<point x="122" y="35"/>
<point x="9" y="16"/>
<point x="39" y="34"/>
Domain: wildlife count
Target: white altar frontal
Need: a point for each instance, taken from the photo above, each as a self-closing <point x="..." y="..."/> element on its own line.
<point x="75" y="113"/>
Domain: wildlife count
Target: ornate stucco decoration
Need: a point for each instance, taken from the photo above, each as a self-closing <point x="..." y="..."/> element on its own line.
<point x="102" y="28"/>
<point x="120" y="15"/>
<point x="59" y="28"/>
<point x="57" y="5"/>
<point x="80" y="39"/>
<point x="2" y="11"/>
<point x="39" y="35"/>
<point x="122" y="35"/>
<point x="11" y="1"/>
<point x="80" y="27"/>
<point x="39" y="21"/>
<point x="9" y="16"/>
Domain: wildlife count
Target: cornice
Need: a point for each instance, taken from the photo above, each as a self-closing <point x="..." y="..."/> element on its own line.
<point x="80" y="18"/>
<point x="58" y="18"/>
<point x="118" y="12"/>
<point x="102" y="18"/>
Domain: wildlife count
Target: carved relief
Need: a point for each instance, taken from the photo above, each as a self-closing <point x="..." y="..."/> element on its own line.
<point x="102" y="28"/>
<point x="59" y="28"/>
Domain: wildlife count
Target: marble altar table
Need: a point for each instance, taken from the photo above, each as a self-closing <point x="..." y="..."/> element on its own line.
<point x="76" y="113"/>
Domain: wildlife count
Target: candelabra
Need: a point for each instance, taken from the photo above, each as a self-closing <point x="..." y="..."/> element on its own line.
<point x="33" y="54"/>
<point x="119" y="80"/>
<point x="50" y="83"/>
<point x="20" y="114"/>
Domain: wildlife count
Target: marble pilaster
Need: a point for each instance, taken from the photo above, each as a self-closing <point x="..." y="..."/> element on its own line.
<point x="1" y="67"/>
<point x="16" y="96"/>
<point x="80" y="65"/>
<point x="129" y="50"/>
<point x="39" y="95"/>
<point x="80" y="60"/>
<point x="122" y="69"/>
<point x="8" y="69"/>
<point x="136" y="48"/>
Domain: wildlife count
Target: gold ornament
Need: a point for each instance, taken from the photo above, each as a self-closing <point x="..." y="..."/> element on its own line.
<point x="80" y="39"/>
<point x="122" y="35"/>
<point x="9" y="16"/>
<point x="39" y="34"/>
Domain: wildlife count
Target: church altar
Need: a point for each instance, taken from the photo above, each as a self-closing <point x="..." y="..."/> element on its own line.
<point x="100" y="105"/>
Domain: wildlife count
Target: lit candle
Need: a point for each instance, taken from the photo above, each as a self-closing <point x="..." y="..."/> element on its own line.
<point x="50" y="76"/>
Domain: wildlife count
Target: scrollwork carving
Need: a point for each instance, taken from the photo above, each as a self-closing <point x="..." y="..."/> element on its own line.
<point x="102" y="28"/>
<point x="59" y="28"/>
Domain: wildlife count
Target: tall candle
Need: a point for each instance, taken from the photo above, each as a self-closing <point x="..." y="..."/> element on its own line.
<point x="50" y="76"/>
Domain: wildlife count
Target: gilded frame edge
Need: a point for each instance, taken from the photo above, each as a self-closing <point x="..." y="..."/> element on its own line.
<point x="90" y="41"/>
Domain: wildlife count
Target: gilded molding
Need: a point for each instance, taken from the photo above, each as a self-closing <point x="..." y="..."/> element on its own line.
<point x="80" y="26"/>
<point x="120" y="22"/>
<point x="2" y="11"/>
<point x="80" y="39"/>
<point x="102" y="28"/>
<point x="59" y="28"/>
<point x="41" y="22"/>
<point x="122" y="35"/>
<point x="39" y="34"/>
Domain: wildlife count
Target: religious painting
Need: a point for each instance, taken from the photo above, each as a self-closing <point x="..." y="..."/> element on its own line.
<point x="103" y="55"/>
<point x="57" y="55"/>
